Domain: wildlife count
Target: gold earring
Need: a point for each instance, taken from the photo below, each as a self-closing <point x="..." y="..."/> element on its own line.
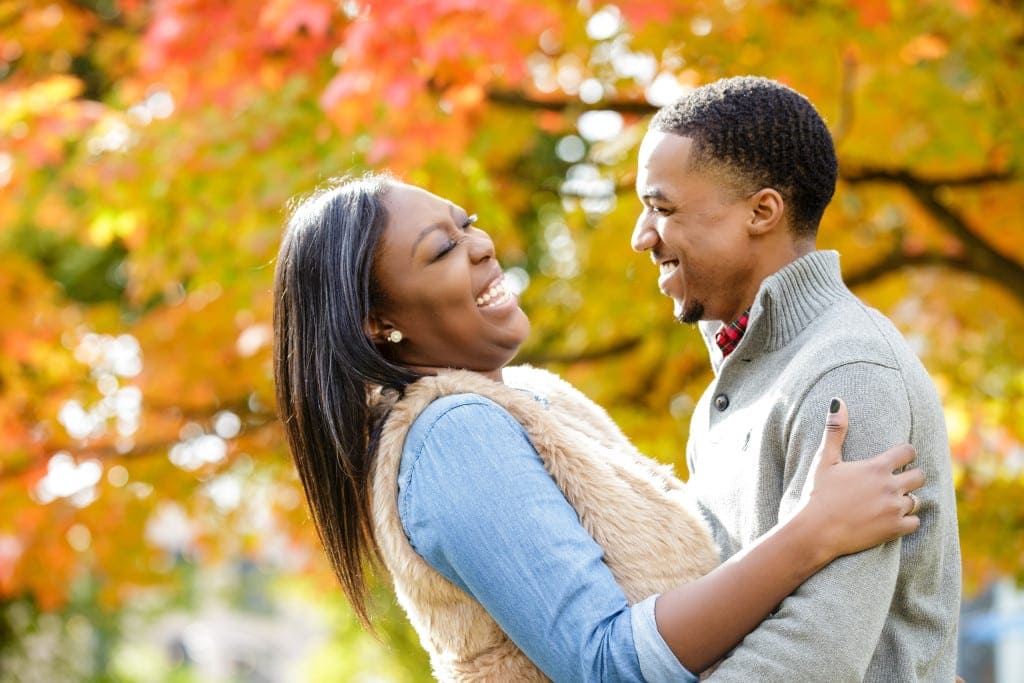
<point x="395" y="336"/>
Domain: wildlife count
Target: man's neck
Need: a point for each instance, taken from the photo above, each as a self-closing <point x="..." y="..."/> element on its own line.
<point x="775" y="260"/>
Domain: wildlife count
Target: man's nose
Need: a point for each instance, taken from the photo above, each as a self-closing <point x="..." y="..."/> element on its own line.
<point x="644" y="235"/>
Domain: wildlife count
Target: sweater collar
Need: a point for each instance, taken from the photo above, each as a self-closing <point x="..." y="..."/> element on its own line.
<point x="787" y="301"/>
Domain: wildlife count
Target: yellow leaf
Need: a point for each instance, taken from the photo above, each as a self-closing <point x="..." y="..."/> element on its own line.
<point x="36" y="99"/>
<point x="958" y="423"/>
<point x="923" y="48"/>
<point x="109" y="225"/>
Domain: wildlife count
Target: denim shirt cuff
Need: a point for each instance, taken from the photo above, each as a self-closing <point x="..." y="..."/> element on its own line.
<point x="657" y="662"/>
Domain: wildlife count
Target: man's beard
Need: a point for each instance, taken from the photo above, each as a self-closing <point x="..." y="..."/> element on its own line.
<point x="691" y="313"/>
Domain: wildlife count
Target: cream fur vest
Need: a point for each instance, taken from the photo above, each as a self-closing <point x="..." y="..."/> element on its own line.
<point x="631" y="505"/>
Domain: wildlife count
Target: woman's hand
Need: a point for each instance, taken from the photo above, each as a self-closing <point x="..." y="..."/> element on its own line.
<point x="859" y="504"/>
<point x="846" y="507"/>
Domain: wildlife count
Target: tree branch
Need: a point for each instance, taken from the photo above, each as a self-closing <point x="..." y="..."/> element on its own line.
<point x="517" y="99"/>
<point x="853" y="173"/>
<point x="616" y="348"/>
<point x="897" y="260"/>
<point x="108" y="451"/>
<point x="979" y="256"/>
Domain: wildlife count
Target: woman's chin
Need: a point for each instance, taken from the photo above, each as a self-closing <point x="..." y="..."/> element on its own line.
<point x="522" y="332"/>
<point x="511" y="349"/>
<point x="512" y="330"/>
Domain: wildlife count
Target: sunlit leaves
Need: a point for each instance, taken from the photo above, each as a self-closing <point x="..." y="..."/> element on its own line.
<point x="147" y="151"/>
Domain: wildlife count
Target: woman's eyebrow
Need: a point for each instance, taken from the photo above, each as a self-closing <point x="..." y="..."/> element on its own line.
<point x="423" y="233"/>
<point x="430" y="228"/>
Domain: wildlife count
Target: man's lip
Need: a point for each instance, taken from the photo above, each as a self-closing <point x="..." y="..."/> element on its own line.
<point x="659" y="257"/>
<point x="665" y="278"/>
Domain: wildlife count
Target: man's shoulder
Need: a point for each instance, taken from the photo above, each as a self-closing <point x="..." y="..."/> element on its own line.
<point x="851" y="331"/>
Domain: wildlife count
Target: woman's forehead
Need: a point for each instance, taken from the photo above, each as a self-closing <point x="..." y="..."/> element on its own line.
<point x="413" y="214"/>
<point x="411" y="209"/>
<point x="401" y="194"/>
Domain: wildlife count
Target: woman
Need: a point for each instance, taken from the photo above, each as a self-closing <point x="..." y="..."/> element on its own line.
<point x="526" y="538"/>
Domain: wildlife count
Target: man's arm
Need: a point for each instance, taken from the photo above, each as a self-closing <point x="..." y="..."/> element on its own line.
<point x="829" y="627"/>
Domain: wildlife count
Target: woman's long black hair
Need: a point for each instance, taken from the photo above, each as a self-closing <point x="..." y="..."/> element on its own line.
<point x="325" y="366"/>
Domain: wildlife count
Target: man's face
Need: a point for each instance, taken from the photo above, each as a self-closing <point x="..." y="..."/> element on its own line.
<point x="696" y="227"/>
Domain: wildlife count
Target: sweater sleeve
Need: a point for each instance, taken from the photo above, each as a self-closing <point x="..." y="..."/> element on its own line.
<point x="833" y="622"/>
<point x="479" y="507"/>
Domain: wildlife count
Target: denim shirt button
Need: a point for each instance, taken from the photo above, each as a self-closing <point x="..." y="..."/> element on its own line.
<point x="721" y="402"/>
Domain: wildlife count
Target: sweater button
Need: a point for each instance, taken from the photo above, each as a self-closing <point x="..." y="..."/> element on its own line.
<point x="721" y="402"/>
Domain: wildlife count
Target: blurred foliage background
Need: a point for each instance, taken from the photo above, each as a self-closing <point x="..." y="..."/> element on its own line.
<point x="151" y="525"/>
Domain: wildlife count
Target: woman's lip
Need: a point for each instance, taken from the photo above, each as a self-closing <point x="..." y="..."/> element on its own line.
<point x="496" y="295"/>
<point x="500" y="275"/>
<point x="509" y="303"/>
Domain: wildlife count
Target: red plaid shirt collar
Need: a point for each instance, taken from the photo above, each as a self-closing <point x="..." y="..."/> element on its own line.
<point x="728" y="336"/>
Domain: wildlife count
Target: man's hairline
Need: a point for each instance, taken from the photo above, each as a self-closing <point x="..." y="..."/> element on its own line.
<point x="700" y="161"/>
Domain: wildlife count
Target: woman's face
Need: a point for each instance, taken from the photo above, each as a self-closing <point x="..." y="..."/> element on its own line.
<point x="443" y="289"/>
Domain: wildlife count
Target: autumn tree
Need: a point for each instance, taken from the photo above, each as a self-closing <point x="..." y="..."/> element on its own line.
<point x="147" y="150"/>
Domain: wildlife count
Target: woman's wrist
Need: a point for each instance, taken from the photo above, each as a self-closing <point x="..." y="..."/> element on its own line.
<point x="808" y="541"/>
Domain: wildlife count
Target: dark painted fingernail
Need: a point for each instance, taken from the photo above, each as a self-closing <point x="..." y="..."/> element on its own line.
<point x="834" y="406"/>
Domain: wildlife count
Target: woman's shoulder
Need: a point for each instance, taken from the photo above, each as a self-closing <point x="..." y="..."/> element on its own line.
<point x="453" y="415"/>
<point x="443" y="405"/>
<point x="462" y="437"/>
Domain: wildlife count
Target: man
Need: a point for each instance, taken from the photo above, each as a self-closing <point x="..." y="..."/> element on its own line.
<point x="734" y="179"/>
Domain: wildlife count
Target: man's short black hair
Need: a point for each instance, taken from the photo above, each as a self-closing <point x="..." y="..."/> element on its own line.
<point x="762" y="134"/>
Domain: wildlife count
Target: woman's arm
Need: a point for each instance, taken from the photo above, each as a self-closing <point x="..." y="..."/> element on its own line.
<point x="849" y="506"/>
<point x="478" y="505"/>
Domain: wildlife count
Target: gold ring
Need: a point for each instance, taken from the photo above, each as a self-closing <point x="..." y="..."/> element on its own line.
<point x="915" y="503"/>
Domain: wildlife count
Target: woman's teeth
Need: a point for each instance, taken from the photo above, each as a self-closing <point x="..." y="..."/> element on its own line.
<point x="496" y="294"/>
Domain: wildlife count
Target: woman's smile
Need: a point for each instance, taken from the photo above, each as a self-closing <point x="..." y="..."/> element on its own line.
<point x="497" y="295"/>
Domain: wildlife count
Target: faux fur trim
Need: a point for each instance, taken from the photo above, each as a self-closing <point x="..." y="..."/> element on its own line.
<point x="631" y="505"/>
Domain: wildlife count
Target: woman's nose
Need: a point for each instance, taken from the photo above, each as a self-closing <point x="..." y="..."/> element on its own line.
<point x="481" y="248"/>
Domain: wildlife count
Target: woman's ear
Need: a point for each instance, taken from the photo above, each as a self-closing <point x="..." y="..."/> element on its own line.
<point x="767" y="211"/>
<point x="374" y="329"/>
<point x="380" y="330"/>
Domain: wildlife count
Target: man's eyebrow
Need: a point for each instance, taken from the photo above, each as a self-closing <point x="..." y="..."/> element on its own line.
<point x="430" y="228"/>
<point x="653" y="193"/>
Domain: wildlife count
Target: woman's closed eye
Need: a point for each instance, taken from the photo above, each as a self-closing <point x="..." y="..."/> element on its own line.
<point x="452" y="243"/>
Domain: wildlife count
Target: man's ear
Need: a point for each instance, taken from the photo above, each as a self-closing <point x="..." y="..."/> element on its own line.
<point x="767" y="211"/>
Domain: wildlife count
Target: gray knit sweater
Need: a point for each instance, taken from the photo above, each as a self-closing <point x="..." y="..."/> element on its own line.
<point x="886" y="614"/>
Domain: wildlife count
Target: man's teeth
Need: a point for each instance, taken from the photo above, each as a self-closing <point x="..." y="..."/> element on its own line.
<point x="668" y="266"/>
<point x="498" y="293"/>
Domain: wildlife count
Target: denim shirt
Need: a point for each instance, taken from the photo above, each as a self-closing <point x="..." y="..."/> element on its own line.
<point x="477" y="504"/>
